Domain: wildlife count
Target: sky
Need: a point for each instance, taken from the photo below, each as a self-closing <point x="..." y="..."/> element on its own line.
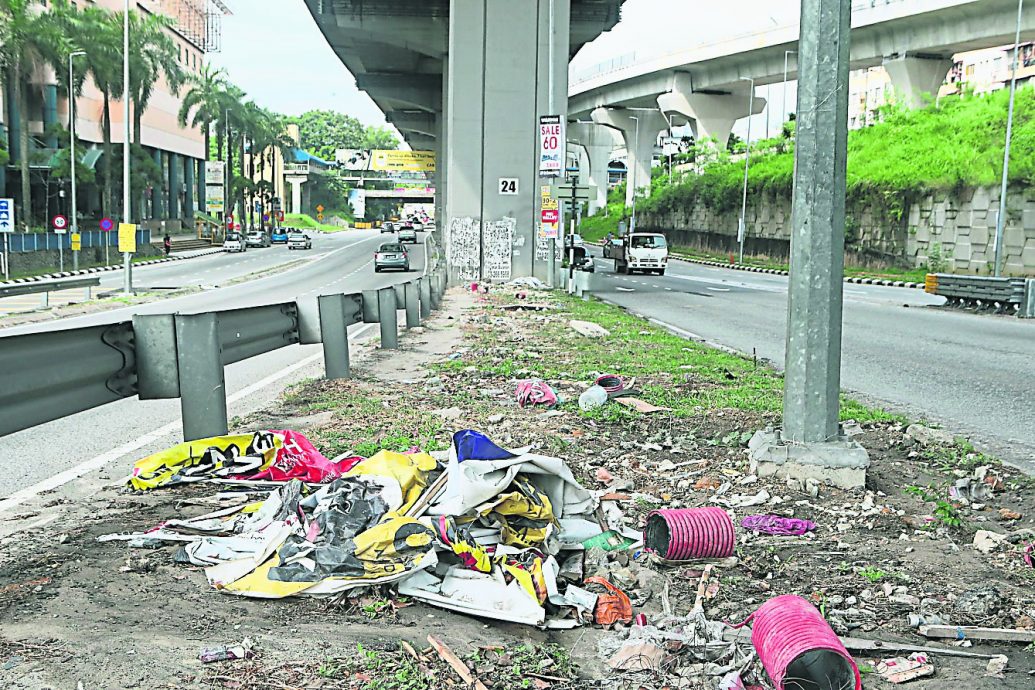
<point x="273" y="50"/>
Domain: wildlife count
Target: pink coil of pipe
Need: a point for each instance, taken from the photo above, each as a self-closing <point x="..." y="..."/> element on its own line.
<point x="799" y="650"/>
<point x="684" y="533"/>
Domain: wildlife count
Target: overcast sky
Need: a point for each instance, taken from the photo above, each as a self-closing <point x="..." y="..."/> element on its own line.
<point x="273" y="50"/>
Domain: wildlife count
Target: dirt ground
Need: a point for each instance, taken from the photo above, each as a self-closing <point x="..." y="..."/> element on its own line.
<point x="78" y="613"/>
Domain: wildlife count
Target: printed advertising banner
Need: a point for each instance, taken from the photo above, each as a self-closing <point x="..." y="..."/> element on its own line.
<point x="403" y="161"/>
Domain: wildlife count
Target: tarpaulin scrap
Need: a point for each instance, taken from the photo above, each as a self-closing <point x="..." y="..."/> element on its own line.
<point x="270" y="455"/>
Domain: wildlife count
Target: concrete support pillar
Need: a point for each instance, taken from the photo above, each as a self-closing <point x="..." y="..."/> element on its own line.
<point x="189" y="181"/>
<point x="596" y="145"/>
<point x="199" y="175"/>
<point x="174" y="184"/>
<point x="296" y="193"/>
<point x="494" y="94"/>
<point x="50" y="117"/>
<point x="639" y="129"/>
<point x="915" y="79"/>
<point x="14" y="121"/>
<point x="713" y="114"/>
<point x="158" y="195"/>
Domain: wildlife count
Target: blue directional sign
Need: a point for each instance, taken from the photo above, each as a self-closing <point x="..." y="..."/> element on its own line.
<point x="6" y="215"/>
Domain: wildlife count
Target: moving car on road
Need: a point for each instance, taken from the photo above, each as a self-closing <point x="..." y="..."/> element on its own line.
<point x="257" y="238"/>
<point x="234" y="242"/>
<point x="279" y="236"/>
<point x="408" y="235"/>
<point x="387" y="226"/>
<point x="299" y="240"/>
<point x="641" y="251"/>
<point x="391" y="255"/>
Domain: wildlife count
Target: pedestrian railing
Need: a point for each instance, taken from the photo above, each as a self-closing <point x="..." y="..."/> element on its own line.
<point x="45" y="287"/>
<point x="50" y="375"/>
<point x="982" y="292"/>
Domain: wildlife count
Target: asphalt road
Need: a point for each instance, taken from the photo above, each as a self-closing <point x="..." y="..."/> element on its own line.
<point x="122" y="432"/>
<point x="970" y="373"/>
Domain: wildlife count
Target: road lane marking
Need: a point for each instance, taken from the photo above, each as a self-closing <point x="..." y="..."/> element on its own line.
<point x="719" y="289"/>
<point x="96" y="463"/>
<point x="624" y="289"/>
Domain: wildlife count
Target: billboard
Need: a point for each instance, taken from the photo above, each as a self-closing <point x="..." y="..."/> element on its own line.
<point x="352" y="159"/>
<point x="214" y="199"/>
<point x="552" y="145"/>
<point x="358" y="200"/>
<point x="403" y="161"/>
<point x="214" y="172"/>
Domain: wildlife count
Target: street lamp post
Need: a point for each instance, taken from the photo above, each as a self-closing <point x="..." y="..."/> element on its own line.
<point x="71" y="147"/>
<point x="635" y="171"/>
<point x="742" y="229"/>
<point x="783" y="104"/>
<point x="127" y="257"/>
<point x="670" y="138"/>
<point x="1000" y="222"/>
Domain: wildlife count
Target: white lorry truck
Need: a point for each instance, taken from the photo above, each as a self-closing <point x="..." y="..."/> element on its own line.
<point x="639" y="251"/>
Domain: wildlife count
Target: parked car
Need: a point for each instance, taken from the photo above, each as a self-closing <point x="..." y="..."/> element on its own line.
<point x="387" y="226"/>
<point x="391" y="255"/>
<point x="299" y="240"/>
<point x="408" y="235"/>
<point x="429" y="226"/>
<point x="257" y="238"/>
<point x="234" y="242"/>
<point x="279" y="236"/>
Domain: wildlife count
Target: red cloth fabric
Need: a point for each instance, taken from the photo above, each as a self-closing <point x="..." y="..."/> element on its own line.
<point x="299" y="459"/>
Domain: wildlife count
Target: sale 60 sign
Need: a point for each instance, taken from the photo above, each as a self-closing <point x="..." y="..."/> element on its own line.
<point x="552" y="146"/>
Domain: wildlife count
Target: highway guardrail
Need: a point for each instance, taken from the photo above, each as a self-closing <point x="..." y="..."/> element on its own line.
<point x="981" y="292"/>
<point x="55" y="374"/>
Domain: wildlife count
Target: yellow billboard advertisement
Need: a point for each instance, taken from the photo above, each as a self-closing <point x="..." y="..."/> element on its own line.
<point x="403" y="161"/>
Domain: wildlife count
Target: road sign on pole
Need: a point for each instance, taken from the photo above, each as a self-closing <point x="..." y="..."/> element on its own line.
<point x="77" y="241"/>
<point x="107" y="225"/>
<point x="7" y="215"/>
<point x="319" y="208"/>
<point x="127" y="238"/>
<point x="60" y="224"/>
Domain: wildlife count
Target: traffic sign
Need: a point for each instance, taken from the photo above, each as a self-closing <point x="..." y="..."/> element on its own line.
<point x="280" y="216"/>
<point x="107" y="225"/>
<point x="319" y="217"/>
<point x="60" y="224"/>
<point x="6" y="215"/>
<point x="76" y="241"/>
<point x="319" y="208"/>
<point x="127" y="237"/>
<point x="265" y="217"/>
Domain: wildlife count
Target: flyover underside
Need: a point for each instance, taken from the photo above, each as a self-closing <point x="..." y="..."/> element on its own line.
<point x="478" y="74"/>
<point x="939" y="33"/>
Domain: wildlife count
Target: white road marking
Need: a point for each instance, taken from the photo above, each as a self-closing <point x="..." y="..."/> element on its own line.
<point x="668" y="289"/>
<point x="103" y="459"/>
<point x="715" y="289"/>
<point x="624" y="289"/>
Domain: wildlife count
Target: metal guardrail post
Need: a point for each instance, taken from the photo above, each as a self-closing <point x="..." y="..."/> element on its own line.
<point x="389" y="319"/>
<point x="424" y="287"/>
<point x="370" y="307"/>
<point x="335" y="335"/>
<point x="202" y="387"/>
<point x="45" y="298"/>
<point x="158" y="374"/>
<point x="1027" y="310"/>
<point x="412" y="304"/>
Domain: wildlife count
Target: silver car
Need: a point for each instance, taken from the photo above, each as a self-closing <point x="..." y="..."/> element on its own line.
<point x="391" y="255"/>
<point x="299" y="240"/>
<point x="408" y="235"/>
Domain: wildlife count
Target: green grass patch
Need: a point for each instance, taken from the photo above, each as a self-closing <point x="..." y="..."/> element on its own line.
<point x="307" y="222"/>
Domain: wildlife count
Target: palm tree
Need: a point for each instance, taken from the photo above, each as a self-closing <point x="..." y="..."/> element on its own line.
<point x="103" y="62"/>
<point x="154" y="55"/>
<point x="201" y="102"/>
<point x="29" y="38"/>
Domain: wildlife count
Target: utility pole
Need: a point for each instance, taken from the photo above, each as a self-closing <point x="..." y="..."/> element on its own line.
<point x="71" y="147"/>
<point x="552" y="259"/>
<point x="574" y="182"/>
<point x="127" y="257"/>
<point x="742" y="228"/>
<point x="1000" y="222"/>
<point x="631" y="179"/>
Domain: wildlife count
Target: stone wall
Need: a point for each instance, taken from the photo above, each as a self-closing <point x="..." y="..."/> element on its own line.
<point x="956" y="230"/>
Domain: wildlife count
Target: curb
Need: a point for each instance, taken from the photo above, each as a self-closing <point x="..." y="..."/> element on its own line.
<point x="104" y="269"/>
<point x="780" y="272"/>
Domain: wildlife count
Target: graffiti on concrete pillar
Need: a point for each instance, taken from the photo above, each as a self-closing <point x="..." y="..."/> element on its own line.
<point x="464" y="247"/>
<point x="499" y="236"/>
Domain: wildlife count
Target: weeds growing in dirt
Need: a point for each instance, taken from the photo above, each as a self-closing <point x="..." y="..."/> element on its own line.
<point x="944" y="511"/>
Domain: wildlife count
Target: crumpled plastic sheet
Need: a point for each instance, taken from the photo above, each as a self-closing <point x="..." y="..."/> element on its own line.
<point x="531" y="392"/>
<point x="777" y="525"/>
<point x="270" y="455"/>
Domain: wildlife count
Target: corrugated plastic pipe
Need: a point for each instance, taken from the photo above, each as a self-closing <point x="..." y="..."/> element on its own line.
<point x="799" y="650"/>
<point x="685" y="533"/>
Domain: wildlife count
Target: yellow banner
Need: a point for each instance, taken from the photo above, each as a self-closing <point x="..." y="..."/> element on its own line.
<point x="403" y="161"/>
<point x="127" y="237"/>
<point x="77" y="241"/>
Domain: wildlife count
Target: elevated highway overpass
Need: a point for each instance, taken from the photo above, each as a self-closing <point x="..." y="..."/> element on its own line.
<point x="469" y="79"/>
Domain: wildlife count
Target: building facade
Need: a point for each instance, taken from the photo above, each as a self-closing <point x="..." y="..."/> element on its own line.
<point x="178" y="152"/>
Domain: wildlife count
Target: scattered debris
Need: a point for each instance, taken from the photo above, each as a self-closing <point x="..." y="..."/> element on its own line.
<point x="588" y="329"/>
<point x="684" y="533"/>
<point x="927" y="436"/>
<point x="904" y="669"/>
<point x="532" y="392"/>
<point x="986" y="542"/>
<point x="592" y="398"/>
<point x="776" y="525"/>
<point x="245" y="650"/>
<point x="966" y="632"/>
<point x="456" y="664"/>
<point x="996" y="667"/>
<point x="641" y="406"/>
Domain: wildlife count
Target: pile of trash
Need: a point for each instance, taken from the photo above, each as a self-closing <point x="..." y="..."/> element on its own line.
<point x="477" y="529"/>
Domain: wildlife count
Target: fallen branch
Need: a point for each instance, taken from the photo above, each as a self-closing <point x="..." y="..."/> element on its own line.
<point x="457" y="665"/>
